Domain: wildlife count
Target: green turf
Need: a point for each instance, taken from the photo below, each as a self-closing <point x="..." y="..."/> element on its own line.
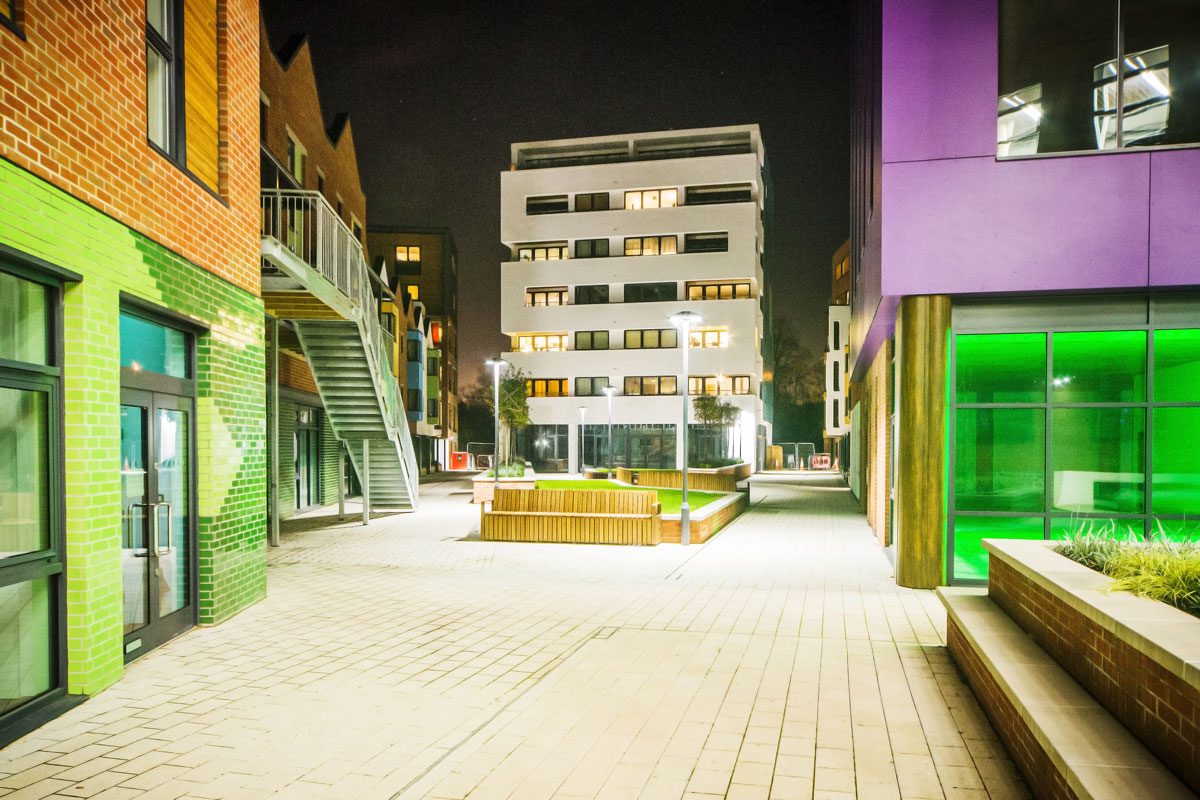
<point x="671" y="499"/>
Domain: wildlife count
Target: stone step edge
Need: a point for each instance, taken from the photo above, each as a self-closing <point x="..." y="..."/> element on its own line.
<point x="1006" y="653"/>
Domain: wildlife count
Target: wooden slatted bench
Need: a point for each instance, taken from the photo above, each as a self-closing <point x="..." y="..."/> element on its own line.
<point x="574" y="516"/>
<point x="1065" y="742"/>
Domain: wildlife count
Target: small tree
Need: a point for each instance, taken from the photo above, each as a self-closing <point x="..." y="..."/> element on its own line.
<point x="514" y="410"/>
<point x="714" y="413"/>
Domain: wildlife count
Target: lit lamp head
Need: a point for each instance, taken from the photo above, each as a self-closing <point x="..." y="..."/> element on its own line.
<point x="685" y="320"/>
<point x="609" y="391"/>
<point x="497" y="363"/>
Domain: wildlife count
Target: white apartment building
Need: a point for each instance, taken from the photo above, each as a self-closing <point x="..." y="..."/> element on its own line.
<point x="837" y="414"/>
<point x="608" y="238"/>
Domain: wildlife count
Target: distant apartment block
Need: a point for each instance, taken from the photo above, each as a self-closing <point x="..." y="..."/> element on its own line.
<point x="608" y="237"/>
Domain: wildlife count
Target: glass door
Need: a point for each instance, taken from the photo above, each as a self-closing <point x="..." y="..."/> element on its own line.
<point x="157" y="553"/>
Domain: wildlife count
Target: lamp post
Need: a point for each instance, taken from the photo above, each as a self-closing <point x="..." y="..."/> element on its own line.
<point x="496" y="364"/>
<point x="610" y="391"/>
<point x="685" y="321"/>
<point x="579" y="458"/>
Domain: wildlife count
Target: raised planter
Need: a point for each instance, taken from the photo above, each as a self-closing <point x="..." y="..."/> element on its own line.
<point x="707" y="521"/>
<point x="574" y="516"/>
<point x="1139" y="658"/>
<point x="702" y="480"/>
<point x="483" y="485"/>
<point x="1094" y="693"/>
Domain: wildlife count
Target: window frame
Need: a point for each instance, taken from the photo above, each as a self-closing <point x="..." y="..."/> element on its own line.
<point x="561" y="252"/>
<point x="658" y="384"/>
<point x="591" y="250"/>
<point x="590" y="198"/>
<point x="1119" y="56"/>
<point x="661" y="284"/>
<point x="172" y="52"/>
<point x="531" y="387"/>
<point x="1148" y="405"/>
<point x="534" y="204"/>
<point x="596" y="287"/>
<point x="640" y="194"/>
<point x="592" y="390"/>
<point x="719" y="288"/>
<point x="641" y="242"/>
<point x="639" y="335"/>
<point x="559" y="291"/>
<point x="591" y="340"/>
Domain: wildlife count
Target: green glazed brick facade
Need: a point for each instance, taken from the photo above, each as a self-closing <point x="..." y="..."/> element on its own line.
<point x="331" y="451"/>
<point x="41" y="220"/>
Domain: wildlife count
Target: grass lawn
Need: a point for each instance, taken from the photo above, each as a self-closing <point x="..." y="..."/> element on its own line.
<point x="670" y="498"/>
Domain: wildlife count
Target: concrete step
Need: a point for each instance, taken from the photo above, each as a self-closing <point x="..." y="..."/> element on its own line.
<point x="1059" y="735"/>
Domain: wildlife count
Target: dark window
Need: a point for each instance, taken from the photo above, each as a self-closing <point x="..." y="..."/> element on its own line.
<point x="651" y="292"/>
<point x="597" y="201"/>
<point x="589" y="295"/>
<point x="556" y="296"/>
<point x="590" y="387"/>
<point x="706" y="242"/>
<point x="431" y="365"/>
<point x="650" y="246"/>
<point x="432" y="413"/>
<point x="320" y="183"/>
<point x="339" y="207"/>
<point x="262" y="120"/>
<point x="651" y="385"/>
<point x="1097" y="74"/>
<point x="555" y="204"/>
<point x="358" y="233"/>
<point x="414" y="350"/>
<point x="837" y="377"/>
<point x="651" y="339"/>
<point x="836" y="422"/>
<point x="837" y="335"/>
<point x="705" y="195"/>
<point x="591" y="340"/>
<point x="591" y="248"/>
<point x="164" y="67"/>
<point x="414" y="400"/>
<point x="546" y="387"/>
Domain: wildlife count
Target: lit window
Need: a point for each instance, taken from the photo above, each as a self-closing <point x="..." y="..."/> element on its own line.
<point x="408" y="253"/>
<point x="414" y="291"/>
<point x="650" y="385"/>
<point x="546" y="387"/>
<point x="651" y="198"/>
<point x="719" y="384"/>
<point x="709" y="338"/>
<point x="542" y="343"/>
<point x="546" y="297"/>
<point x="719" y="291"/>
<point x="435" y="332"/>
<point x="651" y="339"/>
<point x="650" y="246"/>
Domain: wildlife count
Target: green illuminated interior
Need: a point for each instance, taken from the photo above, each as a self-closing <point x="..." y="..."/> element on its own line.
<point x="1176" y="467"/>
<point x="1177" y="367"/>
<point x="1000" y="459"/>
<point x="153" y="348"/>
<point x="1099" y="367"/>
<point x="1098" y="456"/>
<point x="1176" y="530"/>
<point x="1001" y="368"/>
<point x="970" y="559"/>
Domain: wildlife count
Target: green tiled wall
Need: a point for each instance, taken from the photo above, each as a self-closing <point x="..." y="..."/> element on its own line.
<point x="43" y="221"/>
<point x="330" y="453"/>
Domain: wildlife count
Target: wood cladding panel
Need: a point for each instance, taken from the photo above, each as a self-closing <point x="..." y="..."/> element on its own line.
<point x="200" y="89"/>
<point x="924" y="326"/>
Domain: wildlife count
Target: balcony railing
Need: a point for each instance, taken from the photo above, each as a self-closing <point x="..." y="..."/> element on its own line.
<point x="304" y="224"/>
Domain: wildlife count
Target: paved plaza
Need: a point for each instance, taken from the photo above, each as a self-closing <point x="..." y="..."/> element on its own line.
<point x="408" y="659"/>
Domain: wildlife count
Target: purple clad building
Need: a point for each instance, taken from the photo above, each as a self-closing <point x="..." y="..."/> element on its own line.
<point x="1025" y="258"/>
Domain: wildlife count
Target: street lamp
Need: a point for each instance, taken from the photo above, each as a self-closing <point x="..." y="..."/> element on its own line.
<point x="610" y="391"/>
<point x="579" y="458"/>
<point x="685" y="321"/>
<point x="496" y="364"/>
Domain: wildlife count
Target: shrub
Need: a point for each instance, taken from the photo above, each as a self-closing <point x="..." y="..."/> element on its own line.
<point x="1160" y="569"/>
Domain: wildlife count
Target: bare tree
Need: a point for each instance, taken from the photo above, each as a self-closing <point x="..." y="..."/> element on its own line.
<point x="799" y="372"/>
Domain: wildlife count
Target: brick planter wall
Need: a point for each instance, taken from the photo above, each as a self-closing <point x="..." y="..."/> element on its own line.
<point x="1044" y="778"/>
<point x="1158" y="705"/>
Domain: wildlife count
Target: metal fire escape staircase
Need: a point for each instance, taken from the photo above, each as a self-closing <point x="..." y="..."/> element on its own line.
<point x="308" y="250"/>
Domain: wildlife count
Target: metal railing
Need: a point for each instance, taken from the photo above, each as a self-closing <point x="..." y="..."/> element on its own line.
<point x="305" y="224"/>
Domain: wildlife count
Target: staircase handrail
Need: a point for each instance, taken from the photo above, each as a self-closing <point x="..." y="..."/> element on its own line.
<point x="302" y="221"/>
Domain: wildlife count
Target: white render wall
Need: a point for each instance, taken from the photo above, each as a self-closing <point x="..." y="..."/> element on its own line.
<point x="836" y="353"/>
<point x="741" y="262"/>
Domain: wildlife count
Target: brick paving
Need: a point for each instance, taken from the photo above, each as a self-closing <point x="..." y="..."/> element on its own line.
<point x="408" y="659"/>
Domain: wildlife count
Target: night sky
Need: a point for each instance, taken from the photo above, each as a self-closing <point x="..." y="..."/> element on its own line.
<point x="438" y="92"/>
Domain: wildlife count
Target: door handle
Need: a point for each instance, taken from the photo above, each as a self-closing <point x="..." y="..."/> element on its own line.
<point x="129" y="528"/>
<point x="170" y="531"/>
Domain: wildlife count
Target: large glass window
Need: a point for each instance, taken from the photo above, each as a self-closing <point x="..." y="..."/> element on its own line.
<point x="26" y="640"/>
<point x="147" y="346"/>
<point x="1061" y="88"/>
<point x="650" y="292"/>
<point x="24" y="472"/>
<point x="1061" y="432"/>
<point x="24" y="335"/>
